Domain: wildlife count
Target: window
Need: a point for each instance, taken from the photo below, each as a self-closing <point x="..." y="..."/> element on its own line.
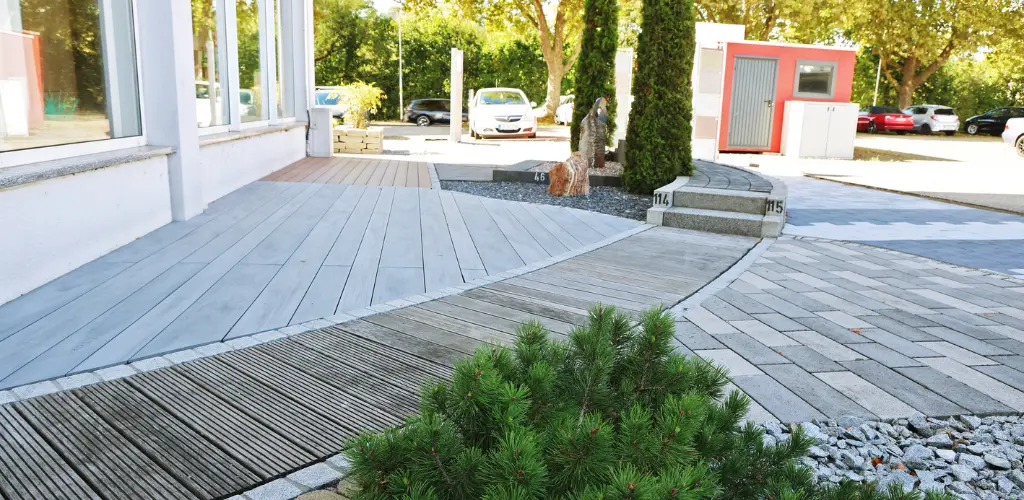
<point x="815" y="79"/>
<point x="1017" y="113"/>
<point x="67" y="73"/>
<point x="501" y="97"/>
<point x="999" y="113"/>
<point x="252" y="99"/>
<point x="944" y="111"/>
<point x="285" y="96"/>
<point x="210" y="76"/>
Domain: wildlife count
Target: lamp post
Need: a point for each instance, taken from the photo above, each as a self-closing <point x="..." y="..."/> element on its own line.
<point x="401" y="97"/>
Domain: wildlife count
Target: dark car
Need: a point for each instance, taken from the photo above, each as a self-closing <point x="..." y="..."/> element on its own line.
<point x="884" y="119"/>
<point x="992" y="122"/>
<point x="423" y="112"/>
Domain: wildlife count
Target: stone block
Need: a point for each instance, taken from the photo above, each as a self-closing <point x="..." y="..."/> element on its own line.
<point x="352" y="132"/>
<point x="371" y="140"/>
<point x="348" y="139"/>
<point x="376" y="132"/>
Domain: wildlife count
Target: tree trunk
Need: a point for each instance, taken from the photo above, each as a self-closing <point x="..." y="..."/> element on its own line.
<point x="556" y="72"/>
<point x="905" y="92"/>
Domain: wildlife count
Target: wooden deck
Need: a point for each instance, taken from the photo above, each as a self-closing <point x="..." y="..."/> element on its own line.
<point x="356" y="170"/>
<point x="220" y="425"/>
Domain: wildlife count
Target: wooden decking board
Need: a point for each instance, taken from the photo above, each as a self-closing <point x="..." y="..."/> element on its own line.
<point x="563" y="236"/>
<point x="546" y="291"/>
<point x="403" y="341"/>
<point x="390" y="172"/>
<point x="203" y="468"/>
<point x="548" y="241"/>
<point x="649" y="281"/>
<point x="440" y="261"/>
<point x="31" y="468"/>
<point x="496" y="253"/>
<point x="522" y="241"/>
<point x="463" y="315"/>
<point x="322" y="296"/>
<point x="317" y="432"/>
<point x="401" y="173"/>
<point x="525" y="304"/>
<point x="101" y="455"/>
<point x="578" y="229"/>
<point x="424" y="174"/>
<point x="369" y="400"/>
<point x="515" y="316"/>
<point x="396" y="283"/>
<point x="541" y="295"/>
<point x="466" y="328"/>
<point x="403" y="241"/>
<point x="346" y="246"/>
<point x="462" y="241"/>
<point x="378" y="173"/>
<point x="248" y="441"/>
<point x="555" y="276"/>
<point x="340" y="343"/>
<point x="572" y="284"/>
<point x="460" y="343"/>
<point x="359" y="289"/>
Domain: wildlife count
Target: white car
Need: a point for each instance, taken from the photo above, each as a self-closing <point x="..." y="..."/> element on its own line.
<point x="563" y="113"/>
<point x="1013" y="134"/>
<point x="502" y="112"/>
<point x="932" y="118"/>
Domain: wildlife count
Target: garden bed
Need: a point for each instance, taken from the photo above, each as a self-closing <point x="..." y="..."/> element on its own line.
<point x="605" y="200"/>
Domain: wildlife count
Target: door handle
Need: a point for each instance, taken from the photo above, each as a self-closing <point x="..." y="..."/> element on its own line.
<point x="768" y="102"/>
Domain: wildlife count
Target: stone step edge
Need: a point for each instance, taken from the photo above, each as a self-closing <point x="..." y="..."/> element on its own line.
<point x="766" y="226"/>
<point x="749" y="202"/>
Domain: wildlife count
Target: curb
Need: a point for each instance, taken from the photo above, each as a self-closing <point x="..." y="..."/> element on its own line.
<point x="723" y="280"/>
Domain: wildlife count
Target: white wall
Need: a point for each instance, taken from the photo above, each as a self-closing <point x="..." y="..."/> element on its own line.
<point x="53" y="226"/>
<point x="229" y="165"/>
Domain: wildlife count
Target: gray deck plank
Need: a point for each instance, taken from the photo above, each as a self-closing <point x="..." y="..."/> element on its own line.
<point x="457" y="342"/>
<point x="516" y="316"/>
<point x="359" y="287"/>
<point x="63" y="357"/>
<point x="563" y="236"/>
<point x="597" y="289"/>
<point x="551" y="274"/>
<point x="570" y="224"/>
<point x="101" y="455"/>
<point x="465" y="249"/>
<point x="596" y="222"/>
<point x="544" y="237"/>
<point x="280" y="244"/>
<point x="403" y="241"/>
<point x="495" y="251"/>
<point x="33" y="469"/>
<point x="400" y="340"/>
<point x="321" y="299"/>
<point x="210" y="318"/>
<point x="528" y="248"/>
<point x="440" y="260"/>
<point x="544" y="290"/>
<point x="190" y="459"/>
<point x="430" y="316"/>
<point x="261" y="450"/>
<point x="403" y="356"/>
<point x="347" y="244"/>
<point x="397" y="282"/>
<point x="526" y="304"/>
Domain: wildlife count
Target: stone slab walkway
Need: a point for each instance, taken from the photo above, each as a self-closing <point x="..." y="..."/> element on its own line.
<point x="274" y="254"/>
<point x="818" y="329"/>
<point x="213" y="425"/>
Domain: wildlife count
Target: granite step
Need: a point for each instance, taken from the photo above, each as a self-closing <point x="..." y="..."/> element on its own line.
<point x="748" y="202"/>
<point x="715" y="221"/>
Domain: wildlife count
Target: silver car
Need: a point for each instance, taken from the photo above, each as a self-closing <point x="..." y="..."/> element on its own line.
<point x="932" y="118"/>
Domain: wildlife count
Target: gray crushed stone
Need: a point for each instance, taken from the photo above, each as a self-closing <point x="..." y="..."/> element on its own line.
<point x="969" y="457"/>
<point x="606" y="200"/>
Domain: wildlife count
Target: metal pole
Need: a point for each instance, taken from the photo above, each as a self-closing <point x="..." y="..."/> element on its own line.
<point x="401" y="97"/>
<point x="878" y="76"/>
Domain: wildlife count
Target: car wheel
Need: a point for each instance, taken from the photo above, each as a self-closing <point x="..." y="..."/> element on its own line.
<point x="972" y="129"/>
<point x="872" y="128"/>
<point x="926" y="129"/>
<point x="1020" y="146"/>
<point x="950" y="132"/>
<point x="422" y="121"/>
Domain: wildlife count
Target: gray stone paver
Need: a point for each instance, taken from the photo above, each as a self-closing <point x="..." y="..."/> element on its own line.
<point x="847" y="329"/>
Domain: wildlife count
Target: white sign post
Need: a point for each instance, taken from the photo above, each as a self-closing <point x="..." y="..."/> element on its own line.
<point x="455" y="129"/>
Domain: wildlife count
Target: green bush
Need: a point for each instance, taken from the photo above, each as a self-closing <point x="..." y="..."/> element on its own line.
<point x="596" y="65"/>
<point x="610" y="412"/>
<point x="360" y="99"/>
<point x="658" y="137"/>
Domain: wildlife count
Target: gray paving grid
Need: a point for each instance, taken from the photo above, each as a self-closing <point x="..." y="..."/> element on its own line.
<point x="715" y="176"/>
<point x="820" y="329"/>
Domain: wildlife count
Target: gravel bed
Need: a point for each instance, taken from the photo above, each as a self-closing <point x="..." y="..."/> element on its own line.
<point x="611" y="168"/>
<point x="969" y="457"/>
<point x="606" y="200"/>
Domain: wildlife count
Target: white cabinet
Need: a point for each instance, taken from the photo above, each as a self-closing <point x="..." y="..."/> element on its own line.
<point x="819" y="129"/>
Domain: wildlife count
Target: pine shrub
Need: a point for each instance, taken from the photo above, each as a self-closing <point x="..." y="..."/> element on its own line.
<point x="659" y="132"/>
<point x="595" y="68"/>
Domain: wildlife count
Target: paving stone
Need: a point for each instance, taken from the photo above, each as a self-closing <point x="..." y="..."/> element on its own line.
<point x="742" y="287"/>
<point x="914" y="394"/>
<point x="980" y="381"/>
<point x="781" y="306"/>
<point x="728" y="359"/>
<point x="8" y="397"/>
<point x="1011" y="345"/>
<point x="978" y="332"/>
<point x="840" y="304"/>
<point x="868" y="395"/>
<point x="974" y="298"/>
<point x="37" y="389"/>
<point x="809" y="359"/>
<point x="1007" y="320"/>
<point x="809" y="280"/>
<point x="967" y="342"/>
<point x="315" y="476"/>
<point x="801" y="300"/>
<point x="844" y="320"/>
<point x="1006" y="331"/>
<point x="751" y="350"/>
<point x="832" y="330"/>
<point x="756" y="413"/>
<point x="952" y="390"/>
<point x="708" y="322"/>
<point x="742" y="302"/>
<point x="779" y="322"/>
<point x="825" y="346"/>
<point x="858" y="278"/>
<point x="796" y="286"/>
<point x="280" y="489"/>
<point x="777" y="399"/>
<point x="757" y="281"/>
<point x="1004" y="374"/>
<point x="898" y="344"/>
<point x="958" y="353"/>
<point x="905" y="332"/>
<point x="693" y="337"/>
<point x="883" y="355"/>
<point x="763" y="333"/>
<point x="819" y="394"/>
<point x="906" y="318"/>
<point x="78" y="380"/>
<point x="897" y="302"/>
<point x="1015" y="362"/>
<point x="724" y="310"/>
<point x="116" y="372"/>
<point x="969" y="318"/>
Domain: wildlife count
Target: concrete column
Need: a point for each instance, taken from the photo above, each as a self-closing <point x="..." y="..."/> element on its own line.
<point x="455" y="129"/>
<point x="168" y="82"/>
<point x="623" y="90"/>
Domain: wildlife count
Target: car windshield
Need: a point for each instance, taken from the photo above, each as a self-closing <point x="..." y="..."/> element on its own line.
<point x="885" y="110"/>
<point x="327" y="97"/>
<point x="501" y="97"/>
<point x="944" y="111"/>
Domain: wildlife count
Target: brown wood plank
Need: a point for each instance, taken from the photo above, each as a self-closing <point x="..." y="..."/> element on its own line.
<point x="364" y="176"/>
<point x="190" y="459"/>
<point x="332" y="166"/>
<point x="345" y="165"/>
<point x="303" y="170"/>
<point x="357" y="169"/>
<point x="30" y="469"/>
<point x="390" y="173"/>
<point x="525" y="304"/>
<point x="101" y="455"/>
<point x="411" y="178"/>
<point x="341" y="344"/>
<point x="424" y="174"/>
<point x="460" y="343"/>
<point x="261" y="450"/>
<point x="276" y="176"/>
<point x="378" y="172"/>
<point x="401" y="173"/>
<point x="296" y="169"/>
<point x="315" y="172"/>
<point x="402" y="341"/>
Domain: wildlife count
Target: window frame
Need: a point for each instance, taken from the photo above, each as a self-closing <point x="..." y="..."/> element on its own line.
<point x="225" y="53"/>
<point x="38" y="154"/>
<point x="815" y="95"/>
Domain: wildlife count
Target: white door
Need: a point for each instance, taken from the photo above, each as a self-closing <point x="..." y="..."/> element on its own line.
<point x="842" y="130"/>
<point x="814" y="142"/>
<point x="752" y="105"/>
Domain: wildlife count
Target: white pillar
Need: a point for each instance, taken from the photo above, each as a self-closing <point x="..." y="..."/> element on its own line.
<point x="165" y="52"/>
<point x="623" y="90"/>
<point x="455" y="129"/>
<point x="297" y="67"/>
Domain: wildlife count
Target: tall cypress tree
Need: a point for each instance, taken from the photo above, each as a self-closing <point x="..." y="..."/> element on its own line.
<point x="595" y="68"/>
<point x="659" y="132"/>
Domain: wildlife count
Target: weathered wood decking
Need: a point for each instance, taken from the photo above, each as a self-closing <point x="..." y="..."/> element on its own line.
<point x="356" y="170"/>
<point x="219" y="425"/>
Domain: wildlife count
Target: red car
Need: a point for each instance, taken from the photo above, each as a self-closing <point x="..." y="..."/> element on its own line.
<point x="883" y="119"/>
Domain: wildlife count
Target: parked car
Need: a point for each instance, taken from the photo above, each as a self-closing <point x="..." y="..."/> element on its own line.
<point x="992" y="122"/>
<point x="424" y="112"/>
<point x="563" y="113"/>
<point x="931" y="118"/>
<point x="884" y="119"/>
<point x="502" y="112"/>
<point x="332" y="98"/>
<point x="1013" y="134"/>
